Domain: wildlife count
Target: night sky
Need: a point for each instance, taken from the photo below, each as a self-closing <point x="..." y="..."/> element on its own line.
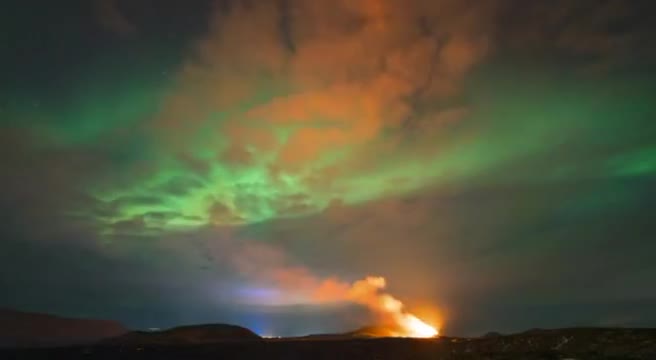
<point x="171" y="162"/>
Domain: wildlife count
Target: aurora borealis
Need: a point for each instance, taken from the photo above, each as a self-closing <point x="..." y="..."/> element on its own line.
<point x="495" y="161"/>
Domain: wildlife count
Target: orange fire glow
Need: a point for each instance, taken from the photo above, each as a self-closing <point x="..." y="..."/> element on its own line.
<point x="415" y="327"/>
<point x="369" y="292"/>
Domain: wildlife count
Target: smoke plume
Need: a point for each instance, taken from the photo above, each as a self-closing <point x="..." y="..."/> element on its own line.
<point x="266" y="266"/>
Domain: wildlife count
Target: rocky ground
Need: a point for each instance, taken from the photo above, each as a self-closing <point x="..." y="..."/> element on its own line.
<point x="25" y="329"/>
<point x="535" y="344"/>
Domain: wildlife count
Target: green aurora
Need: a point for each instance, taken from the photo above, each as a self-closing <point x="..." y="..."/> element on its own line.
<point x="161" y="189"/>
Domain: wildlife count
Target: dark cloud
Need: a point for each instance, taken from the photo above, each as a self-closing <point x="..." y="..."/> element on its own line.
<point x="112" y="19"/>
<point x="599" y="35"/>
<point x="221" y="213"/>
<point x="292" y="205"/>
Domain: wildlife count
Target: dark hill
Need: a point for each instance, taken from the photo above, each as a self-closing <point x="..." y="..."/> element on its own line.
<point x="554" y="344"/>
<point x="24" y="329"/>
<point x="373" y="331"/>
<point x="196" y="334"/>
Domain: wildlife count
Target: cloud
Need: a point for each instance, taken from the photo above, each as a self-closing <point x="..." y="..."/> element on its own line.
<point x="352" y="102"/>
<point x="305" y="96"/>
<point x="112" y="19"/>
<point x="349" y="101"/>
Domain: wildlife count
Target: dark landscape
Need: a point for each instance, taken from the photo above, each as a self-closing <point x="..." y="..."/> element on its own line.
<point x="544" y="344"/>
<point x="221" y="341"/>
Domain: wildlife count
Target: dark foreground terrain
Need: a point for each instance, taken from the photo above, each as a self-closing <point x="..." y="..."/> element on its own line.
<point x="25" y="329"/>
<point x="535" y="344"/>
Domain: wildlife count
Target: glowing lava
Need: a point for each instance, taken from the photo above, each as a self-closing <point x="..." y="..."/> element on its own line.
<point x="414" y="327"/>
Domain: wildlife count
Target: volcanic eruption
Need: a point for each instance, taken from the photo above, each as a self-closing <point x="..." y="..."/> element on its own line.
<point x="285" y="282"/>
<point x="369" y="292"/>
